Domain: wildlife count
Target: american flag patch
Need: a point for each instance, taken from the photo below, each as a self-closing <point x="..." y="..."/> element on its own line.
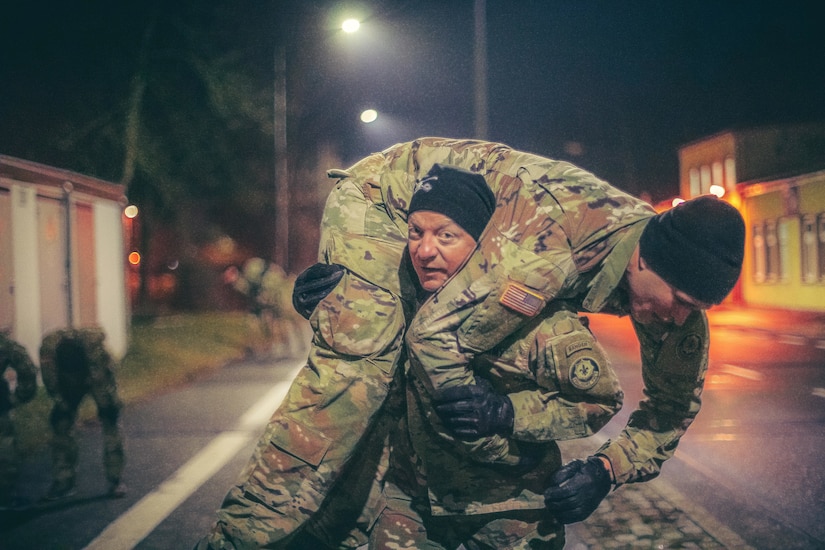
<point x="521" y="300"/>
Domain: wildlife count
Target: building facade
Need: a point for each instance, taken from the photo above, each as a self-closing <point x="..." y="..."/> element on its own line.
<point x="776" y="178"/>
<point x="62" y="257"/>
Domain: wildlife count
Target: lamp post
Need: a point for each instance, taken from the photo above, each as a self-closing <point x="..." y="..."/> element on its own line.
<point x="282" y="191"/>
<point x="281" y="255"/>
<point x="480" y="68"/>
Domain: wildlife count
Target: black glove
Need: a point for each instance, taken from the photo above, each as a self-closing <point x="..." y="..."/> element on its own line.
<point x="312" y="286"/>
<point x="576" y="489"/>
<point x="473" y="411"/>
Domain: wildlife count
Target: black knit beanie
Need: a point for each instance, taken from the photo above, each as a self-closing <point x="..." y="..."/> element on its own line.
<point x="461" y="195"/>
<point x="697" y="247"/>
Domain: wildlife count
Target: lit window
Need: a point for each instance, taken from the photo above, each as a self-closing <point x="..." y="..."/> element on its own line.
<point x="759" y="254"/>
<point x="821" y="240"/>
<point x="810" y="263"/>
<point x="730" y="174"/>
<point x="718" y="174"/>
<point x="783" y="233"/>
<point x="695" y="189"/>
<point x="771" y="252"/>
<point x="704" y="178"/>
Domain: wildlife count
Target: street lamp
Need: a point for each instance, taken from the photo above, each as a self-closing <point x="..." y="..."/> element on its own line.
<point x="369" y="115"/>
<point x="281" y="252"/>
<point x="350" y="26"/>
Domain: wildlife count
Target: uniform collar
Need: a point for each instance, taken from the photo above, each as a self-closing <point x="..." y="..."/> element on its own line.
<point x="613" y="268"/>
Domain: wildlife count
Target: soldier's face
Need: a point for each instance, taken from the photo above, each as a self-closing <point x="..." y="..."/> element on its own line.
<point x="438" y="247"/>
<point x="652" y="300"/>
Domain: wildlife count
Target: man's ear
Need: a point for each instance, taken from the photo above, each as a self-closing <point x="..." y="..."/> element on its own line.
<point x="637" y="263"/>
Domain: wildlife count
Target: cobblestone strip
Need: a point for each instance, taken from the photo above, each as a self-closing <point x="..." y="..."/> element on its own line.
<point x="652" y="515"/>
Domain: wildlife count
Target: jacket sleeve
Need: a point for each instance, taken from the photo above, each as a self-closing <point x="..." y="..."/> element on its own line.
<point x="674" y="365"/>
<point x="340" y="396"/>
<point x="575" y="390"/>
<point x="26" y="373"/>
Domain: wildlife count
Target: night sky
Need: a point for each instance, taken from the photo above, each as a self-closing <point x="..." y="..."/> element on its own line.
<point x="616" y="87"/>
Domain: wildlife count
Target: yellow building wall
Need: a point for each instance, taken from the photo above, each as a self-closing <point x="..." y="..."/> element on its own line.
<point x="789" y="291"/>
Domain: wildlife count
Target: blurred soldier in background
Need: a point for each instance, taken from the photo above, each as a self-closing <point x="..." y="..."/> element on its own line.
<point x="75" y="363"/>
<point x="13" y="356"/>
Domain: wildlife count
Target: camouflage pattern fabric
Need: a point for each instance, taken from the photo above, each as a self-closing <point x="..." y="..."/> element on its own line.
<point x="558" y="233"/>
<point x="12" y="356"/>
<point x="68" y="388"/>
<point x="674" y="365"/>
<point x="562" y="386"/>
<point x="407" y="524"/>
<point x="340" y="404"/>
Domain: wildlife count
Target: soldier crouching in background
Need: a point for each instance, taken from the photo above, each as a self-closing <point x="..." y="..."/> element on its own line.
<point x="12" y="356"/>
<point x="74" y="363"/>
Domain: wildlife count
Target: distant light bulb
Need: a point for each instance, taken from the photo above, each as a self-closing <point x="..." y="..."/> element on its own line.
<point x="369" y="116"/>
<point x="130" y="211"/>
<point x="717" y="190"/>
<point x="351" y="25"/>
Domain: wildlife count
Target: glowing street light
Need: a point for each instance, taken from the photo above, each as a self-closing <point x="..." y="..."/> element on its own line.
<point x="350" y="26"/>
<point x="370" y="115"/>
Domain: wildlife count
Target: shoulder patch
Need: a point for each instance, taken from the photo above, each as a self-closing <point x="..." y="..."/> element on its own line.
<point x="577" y="346"/>
<point x="521" y="299"/>
<point x="689" y="346"/>
<point x="584" y="373"/>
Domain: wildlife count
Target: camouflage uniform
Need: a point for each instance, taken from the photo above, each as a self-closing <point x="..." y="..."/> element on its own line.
<point x="75" y="363"/>
<point x="12" y="356"/>
<point x="334" y="407"/>
<point x="341" y="403"/>
<point x="558" y="233"/>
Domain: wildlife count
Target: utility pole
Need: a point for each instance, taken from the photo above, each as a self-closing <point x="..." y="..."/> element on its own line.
<point x="281" y="256"/>
<point x="480" y="66"/>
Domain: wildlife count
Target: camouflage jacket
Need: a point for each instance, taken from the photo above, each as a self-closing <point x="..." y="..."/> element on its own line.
<point x="558" y="233"/>
<point x="14" y="356"/>
<point x="99" y="377"/>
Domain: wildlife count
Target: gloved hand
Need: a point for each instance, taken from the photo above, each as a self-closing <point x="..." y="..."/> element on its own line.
<point x="312" y="286"/>
<point x="475" y="410"/>
<point x="576" y="489"/>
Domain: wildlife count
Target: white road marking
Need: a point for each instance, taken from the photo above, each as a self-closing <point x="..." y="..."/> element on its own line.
<point x="792" y="339"/>
<point x="742" y="372"/>
<point x="142" y="518"/>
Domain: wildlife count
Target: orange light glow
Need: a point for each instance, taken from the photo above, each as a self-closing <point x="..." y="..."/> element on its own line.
<point x="134" y="258"/>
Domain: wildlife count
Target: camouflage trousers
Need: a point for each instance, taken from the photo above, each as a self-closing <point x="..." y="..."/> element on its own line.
<point x="406" y="524"/>
<point x="9" y="459"/>
<point x="342" y="520"/>
<point x="64" y="446"/>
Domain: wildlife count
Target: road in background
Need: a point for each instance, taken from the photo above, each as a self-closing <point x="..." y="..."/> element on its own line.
<point x="751" y="458"/>
<point x="745" y="475"/>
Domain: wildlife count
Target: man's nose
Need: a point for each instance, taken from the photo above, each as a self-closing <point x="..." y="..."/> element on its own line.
<point x="427" y="248"/>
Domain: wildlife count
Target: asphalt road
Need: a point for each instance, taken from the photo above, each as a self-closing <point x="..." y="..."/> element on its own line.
<point x="749" y="464"/>
<point x="183" y="449"/>
<point x="751" y="458"/>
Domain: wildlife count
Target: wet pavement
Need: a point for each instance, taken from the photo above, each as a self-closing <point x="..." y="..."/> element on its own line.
<point x="653" y="515"/>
